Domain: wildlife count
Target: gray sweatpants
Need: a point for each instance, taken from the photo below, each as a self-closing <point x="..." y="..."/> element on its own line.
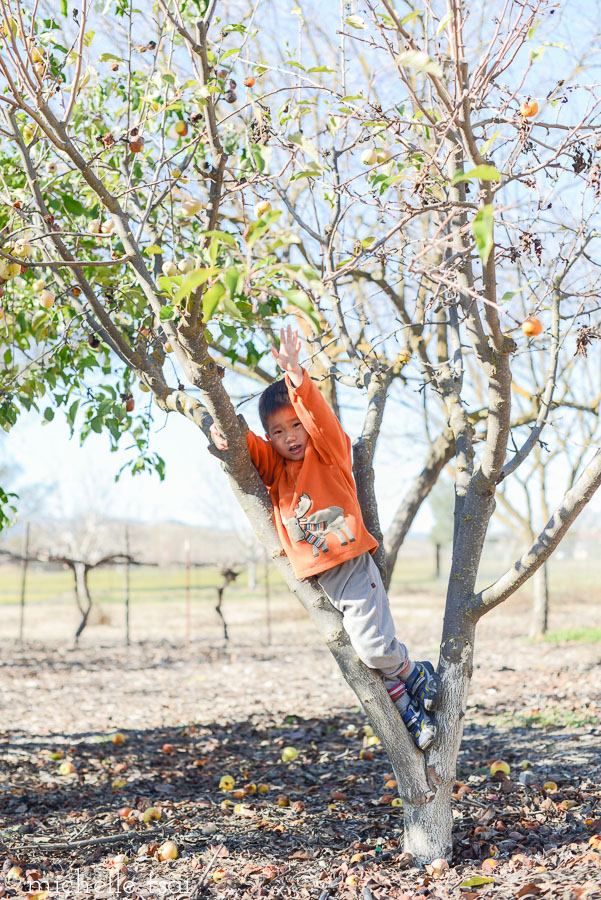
<point x="355" y="588"/>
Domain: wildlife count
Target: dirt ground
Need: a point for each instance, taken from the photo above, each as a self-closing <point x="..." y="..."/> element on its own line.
<point x="322" y="825"/>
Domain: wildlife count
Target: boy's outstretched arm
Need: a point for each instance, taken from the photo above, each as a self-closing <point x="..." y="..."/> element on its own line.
<point x="323" y="426"/>
<point x="286" y="355"/>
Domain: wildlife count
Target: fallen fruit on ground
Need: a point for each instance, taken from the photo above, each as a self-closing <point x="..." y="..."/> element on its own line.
<point x="499" y="765"/>
<point x="437" y="867"/>
<point x="168" y="850"/>
<point x="226" y="783"/>
<point x="66" y="768"/>
<point x="151" y="814"/>
<point x="118" y="738"/>
<point x="289" y="753"/>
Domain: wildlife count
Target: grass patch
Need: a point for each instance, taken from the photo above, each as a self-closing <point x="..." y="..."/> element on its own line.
<point x="578" y="635"/>
<point x="559" y="716"/>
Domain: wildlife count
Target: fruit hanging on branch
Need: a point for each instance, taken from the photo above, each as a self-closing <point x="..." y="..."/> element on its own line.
<point x="532" y="326"/>
<point x="529" y="108"/>
<point x="136" y="143"/>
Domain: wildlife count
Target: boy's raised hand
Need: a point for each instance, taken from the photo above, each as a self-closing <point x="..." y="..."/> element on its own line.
<point x="286" y="355"/>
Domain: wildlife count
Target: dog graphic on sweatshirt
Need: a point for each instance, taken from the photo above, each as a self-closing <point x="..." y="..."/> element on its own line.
<point x="314" y="528"/>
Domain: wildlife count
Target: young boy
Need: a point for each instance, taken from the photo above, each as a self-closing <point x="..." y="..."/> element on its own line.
<point x="306" y="465"/>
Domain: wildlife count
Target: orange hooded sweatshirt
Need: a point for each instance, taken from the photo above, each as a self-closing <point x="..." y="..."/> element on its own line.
<point x="316" y="510"/>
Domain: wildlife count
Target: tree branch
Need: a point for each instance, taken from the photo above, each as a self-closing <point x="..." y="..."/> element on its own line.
<point x="564" y="516"/>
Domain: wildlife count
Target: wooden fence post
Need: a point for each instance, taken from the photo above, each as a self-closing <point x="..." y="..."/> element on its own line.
<point x="127" y="634"/>
<point x="23" y="584"/>
<point x="187" y="588"/>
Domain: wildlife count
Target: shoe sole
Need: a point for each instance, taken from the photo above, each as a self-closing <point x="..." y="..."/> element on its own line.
<point x="430" y="742"/>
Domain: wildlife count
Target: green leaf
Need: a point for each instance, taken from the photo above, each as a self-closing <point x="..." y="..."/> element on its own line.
<point x="482" y="173"/>
<point x="306" y="173"/>
<point x="72" y="413"/>
<point x="48" y="414"/>
<point x="73" y="206"/>
<point x="486" y="147"/>
<point x="482" y="227"/>
<point x="211" y="299"/>
<point x="321" y="69"/>
<point x="64" y="7"/>
<point x="420" y="61"/>
<point x="108" y="57"/>
<point x="192" y="281"/>
<point x="444" y="22"/>
<point x="476" y="881"/>
<point x="305" y="145"/>
<point x="223" y="236"/>
<point x="410" y="16"/>
<point x="167" y="313"/>
<point x="301" y="301"/>
<point x="169" y="284"/>
<point x="232" y="277"/>
<point x="153" y="248"/>
<point x="509" y="295"/>
<point x="231" y="52"/>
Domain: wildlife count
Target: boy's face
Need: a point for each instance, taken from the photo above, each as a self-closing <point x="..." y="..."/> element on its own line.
<point x="287" y="433"/>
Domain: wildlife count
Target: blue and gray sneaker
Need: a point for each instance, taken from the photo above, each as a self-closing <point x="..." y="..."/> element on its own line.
<point x="419" y="724"/>
<point x="424" y="685"/>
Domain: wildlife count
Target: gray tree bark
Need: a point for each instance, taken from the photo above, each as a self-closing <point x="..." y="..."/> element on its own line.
<point x="539" y="619"/>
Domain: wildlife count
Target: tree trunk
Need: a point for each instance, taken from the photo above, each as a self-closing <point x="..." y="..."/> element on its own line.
<point x="252" y="576"/>
<point x="219" y="611"/>
<point x="437" y="551"/>
<point x="540" y="609"/>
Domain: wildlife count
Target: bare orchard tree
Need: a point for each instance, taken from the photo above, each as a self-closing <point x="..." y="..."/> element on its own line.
<point x="78" y="549"/>
<point x="526" y="502"/>
<point x="388" y="179"/>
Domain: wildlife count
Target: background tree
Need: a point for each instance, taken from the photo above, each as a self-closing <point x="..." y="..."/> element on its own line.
<point x="385" y="178"/>
<point x="441" y="500"/>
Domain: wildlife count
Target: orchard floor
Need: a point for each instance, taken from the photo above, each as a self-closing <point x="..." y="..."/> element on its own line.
<point x="191" y="715"/>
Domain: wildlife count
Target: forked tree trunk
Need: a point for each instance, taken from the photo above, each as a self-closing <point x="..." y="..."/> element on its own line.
<point x="539" y="620"/>
<point x="425" y="781"/>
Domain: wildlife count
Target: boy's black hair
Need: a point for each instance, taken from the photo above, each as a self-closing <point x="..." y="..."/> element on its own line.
<point x="273" y="398"/>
